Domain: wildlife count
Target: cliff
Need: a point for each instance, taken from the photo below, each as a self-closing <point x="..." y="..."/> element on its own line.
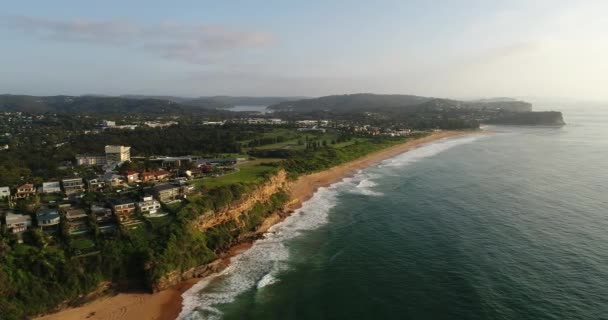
<point x="235" y="210"/>
<point x="239" y="216"/>
<point x="539" y="118"/>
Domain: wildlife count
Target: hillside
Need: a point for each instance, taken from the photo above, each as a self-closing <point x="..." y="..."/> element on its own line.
<point x="407" y="103"/>
<point x="87" y="104"/>
<point x="220" y="101"/>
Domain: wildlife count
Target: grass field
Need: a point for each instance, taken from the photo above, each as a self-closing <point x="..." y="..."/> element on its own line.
<point x="252" y="171"/>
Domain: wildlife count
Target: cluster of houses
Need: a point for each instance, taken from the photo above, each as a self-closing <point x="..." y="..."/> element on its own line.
<point x="125" y="211"/>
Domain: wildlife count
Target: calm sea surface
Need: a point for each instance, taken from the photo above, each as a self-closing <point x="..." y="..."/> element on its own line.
<point x="512" y="225"/>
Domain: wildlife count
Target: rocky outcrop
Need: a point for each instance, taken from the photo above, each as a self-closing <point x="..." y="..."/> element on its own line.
<point x="539" y="118"/>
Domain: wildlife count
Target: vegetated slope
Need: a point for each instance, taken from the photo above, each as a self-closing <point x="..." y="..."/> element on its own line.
<point x="365" y="102"/>
<point x="87" y="104"/>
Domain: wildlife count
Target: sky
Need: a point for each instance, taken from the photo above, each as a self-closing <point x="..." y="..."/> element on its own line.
<point x="451" y="49"/>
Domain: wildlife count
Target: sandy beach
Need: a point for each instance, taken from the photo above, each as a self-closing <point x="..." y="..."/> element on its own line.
<point x="166" y="305"/>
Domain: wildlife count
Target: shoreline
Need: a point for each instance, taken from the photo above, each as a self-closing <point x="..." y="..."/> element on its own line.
<point x="167" y="304"/>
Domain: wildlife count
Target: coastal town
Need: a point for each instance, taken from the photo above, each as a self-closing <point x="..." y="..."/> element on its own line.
<point x="141" y="197"/>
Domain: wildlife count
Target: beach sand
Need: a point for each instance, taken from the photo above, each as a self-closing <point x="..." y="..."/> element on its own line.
<point x="166" y="305"/>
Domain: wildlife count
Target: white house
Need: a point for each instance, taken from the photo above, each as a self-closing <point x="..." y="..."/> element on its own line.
<point x="148" y="206"/>
<point x="5" y="192"/>
<point x="17" y="223"/>
<point x="51" y="187"/>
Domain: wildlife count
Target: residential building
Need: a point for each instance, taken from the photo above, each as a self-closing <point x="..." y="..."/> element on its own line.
<point x="25" y="191"/>
<point x="158" y="175"/>
<point x="17" y="223"/>
<point x="88" y="160"/>
<point x="118" y="153"/>
<point x="131" y="176"/>
<point x="95" y="185"/>
<point x="123" y="209"/>
<point x="77" y="220"/>
<point x="5" y="192"/>
<point x="166" y="192"/>
<point x="113" y="179"/>
<point x="148" y="206"/>
<point x="48" y="219"/>
<point x="51" y="187"/>
<point x="171" y="192"/>
<point x="102" y="214"/>
<point x="72" y="185"/>
<point x="108" y="123"/>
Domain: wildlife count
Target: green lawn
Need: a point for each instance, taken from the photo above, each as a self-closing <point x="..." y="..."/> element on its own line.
<point x="248" y="172"/>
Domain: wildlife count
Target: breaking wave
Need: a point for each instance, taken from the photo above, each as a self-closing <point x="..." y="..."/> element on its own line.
<point x="259" y="266"/>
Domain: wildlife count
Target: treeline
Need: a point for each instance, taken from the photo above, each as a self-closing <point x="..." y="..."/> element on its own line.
<point x="316" y="159"/>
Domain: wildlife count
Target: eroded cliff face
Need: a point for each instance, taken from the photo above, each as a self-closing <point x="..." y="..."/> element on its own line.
<point x="235" y="210"/>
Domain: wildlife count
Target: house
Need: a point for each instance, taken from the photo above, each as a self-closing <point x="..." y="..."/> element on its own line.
<point x="158" y="175"/>
<point x="123" y="209"/>
<point x="102" y="214"/>
<point x="48" y="219"/>
<point x="72" y="185"/>
<point x="5" y="192"/>
<point x="95" y="185"/>
<point x="131" y="176"/>
<point x="161" y="174"/>
<point x="148" y="176"/>
<point x="112" y="179"/>
<point x="51" y="187"/>
<point x="17" y="223"/>
<point x="166" y="192"/>
<point x="148" y="206"/>
<point x="25" y="191"/>
<point x="77" y="220"/>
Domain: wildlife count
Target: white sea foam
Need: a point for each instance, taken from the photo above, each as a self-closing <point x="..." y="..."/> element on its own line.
<point x="427" y="150"/>
<point x="259" y="266"/>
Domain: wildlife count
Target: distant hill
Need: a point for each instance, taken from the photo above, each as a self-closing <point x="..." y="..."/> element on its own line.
<point x="365" y="102"/>
<point x="87" y="104"/>
<point x="220" y="101"/>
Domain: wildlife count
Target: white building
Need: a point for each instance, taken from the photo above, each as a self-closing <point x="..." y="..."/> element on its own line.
<point x="118" y="153"/>
<point x="5" y="192"/>
<point x="87" y="160"/>
<point x="17" y="223"/>
<point x="148" y="206"/>
<point x="51" y="187"/>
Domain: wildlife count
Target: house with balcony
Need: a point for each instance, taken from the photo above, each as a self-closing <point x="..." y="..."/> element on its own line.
<point x="17" y="223"/>
<point x="95" y="185"/>
<point x="102" y="214"/>
<point x="149" y="207"/>
<point x="48" y="219"/>
<point x="77" y="220"/>
<point x="72" y="185"/>
<point x="124" y="209"/>
<point x="25" y="191"/>
<point x="166" y="192"/>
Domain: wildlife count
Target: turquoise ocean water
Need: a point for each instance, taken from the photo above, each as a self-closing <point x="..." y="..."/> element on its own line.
<point x="510" y="225"/>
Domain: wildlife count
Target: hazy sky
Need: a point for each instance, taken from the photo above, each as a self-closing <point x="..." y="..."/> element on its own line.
<point x="457" y="49"/>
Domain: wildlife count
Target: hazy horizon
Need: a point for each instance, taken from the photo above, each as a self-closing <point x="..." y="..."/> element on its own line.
<point x="456" y="49"/>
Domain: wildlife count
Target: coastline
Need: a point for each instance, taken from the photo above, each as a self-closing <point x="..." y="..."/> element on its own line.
<point x="167" y="304"/>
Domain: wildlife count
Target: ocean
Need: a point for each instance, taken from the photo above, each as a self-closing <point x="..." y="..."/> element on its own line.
<point x="509" y="225"/>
